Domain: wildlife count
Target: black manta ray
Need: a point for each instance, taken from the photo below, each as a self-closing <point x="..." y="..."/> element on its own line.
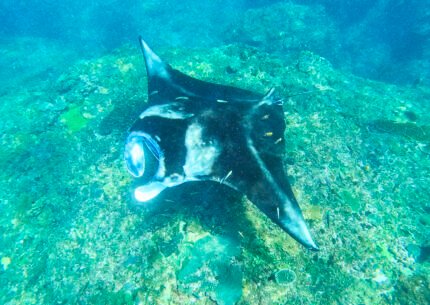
<point x="192" y="130"/>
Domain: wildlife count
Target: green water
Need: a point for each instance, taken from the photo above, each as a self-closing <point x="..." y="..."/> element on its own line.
<point x="357" y="152"/>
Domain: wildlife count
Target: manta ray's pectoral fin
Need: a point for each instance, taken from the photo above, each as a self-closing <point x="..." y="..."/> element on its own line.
<point x="283" y="210"/>
<point x="272" y="194"/>
<point x="270" y="190"/>
<point x="262" y="179"/>
<point x="166" y="83"/>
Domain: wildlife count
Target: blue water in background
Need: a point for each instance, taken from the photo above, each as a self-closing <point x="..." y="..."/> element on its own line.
<point x="399" y="29"/>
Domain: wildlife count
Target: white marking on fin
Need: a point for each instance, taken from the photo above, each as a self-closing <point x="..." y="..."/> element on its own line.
<point x="149" y="191"/>
<point x="222" y="101"/>
<point x="186" y="98"/>
<point x="153" y="93"/>
<point x="168" y="111"/>
<point x="269" y="93"/>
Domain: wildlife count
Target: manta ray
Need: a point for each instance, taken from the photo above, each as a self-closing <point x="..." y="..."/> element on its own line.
<point x="192" y="130"/>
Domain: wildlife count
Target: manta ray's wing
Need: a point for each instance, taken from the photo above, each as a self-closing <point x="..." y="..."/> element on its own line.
<point x="213" y="132"/>
<point x="165" y="83"/>
<point x="272" y="192"/>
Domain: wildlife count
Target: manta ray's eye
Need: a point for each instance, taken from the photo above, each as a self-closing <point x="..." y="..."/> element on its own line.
<point x="142" y="155"/>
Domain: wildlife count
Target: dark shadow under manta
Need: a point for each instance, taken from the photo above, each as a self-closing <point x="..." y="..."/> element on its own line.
<point x="192" y="130"/>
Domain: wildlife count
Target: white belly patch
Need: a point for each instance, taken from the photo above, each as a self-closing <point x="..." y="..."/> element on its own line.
<point x="201" y="153"/>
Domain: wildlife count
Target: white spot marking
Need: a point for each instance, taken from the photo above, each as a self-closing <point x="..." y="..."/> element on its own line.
<point x="185" y="98"/>
<point x="226" y="177"/>
<point x="168" y="111"/>
<point x="149" y="191"/>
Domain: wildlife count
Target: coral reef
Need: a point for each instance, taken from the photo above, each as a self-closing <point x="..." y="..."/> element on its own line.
<point x="358" y="157"/>
<point x="298" y="27"/>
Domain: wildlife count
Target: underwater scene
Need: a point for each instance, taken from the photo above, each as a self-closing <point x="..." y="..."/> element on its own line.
<point x="215" y="152"/>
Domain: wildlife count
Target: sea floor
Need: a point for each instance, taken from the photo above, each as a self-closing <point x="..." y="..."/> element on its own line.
<point x="358" y="156"/>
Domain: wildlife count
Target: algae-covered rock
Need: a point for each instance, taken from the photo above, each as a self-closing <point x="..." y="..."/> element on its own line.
<point x="73" y="119"/>
<point x="298" y="28"/>
<point x="408" y="130"/>
<point x="73" y="233"/>
<point x="285" y="276"/>
<point x="208" y="264"/>
<point x="314" y="212"/>
<point x="351" y="200"/>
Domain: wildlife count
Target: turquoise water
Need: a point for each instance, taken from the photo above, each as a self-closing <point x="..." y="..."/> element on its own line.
<point x="72" y="81"/>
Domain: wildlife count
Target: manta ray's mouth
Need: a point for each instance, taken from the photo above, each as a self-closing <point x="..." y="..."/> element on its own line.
<point x="192" y="130"/>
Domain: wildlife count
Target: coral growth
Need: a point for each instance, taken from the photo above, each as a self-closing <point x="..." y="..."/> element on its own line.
<point x="358" y="161"/>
